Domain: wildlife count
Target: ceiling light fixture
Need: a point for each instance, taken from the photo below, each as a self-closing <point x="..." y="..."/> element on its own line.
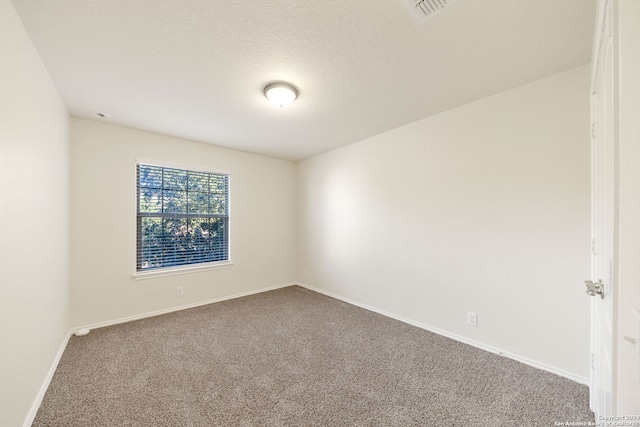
<point x="280" y="93"/>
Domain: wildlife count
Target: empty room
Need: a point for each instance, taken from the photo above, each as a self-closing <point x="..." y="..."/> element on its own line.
<point x="336" y="213"/>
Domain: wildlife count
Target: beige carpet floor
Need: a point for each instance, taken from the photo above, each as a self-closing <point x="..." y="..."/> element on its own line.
<point x="293" y="357"/>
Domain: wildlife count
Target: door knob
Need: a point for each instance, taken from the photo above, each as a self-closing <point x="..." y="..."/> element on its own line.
<point x="594" y="289"/>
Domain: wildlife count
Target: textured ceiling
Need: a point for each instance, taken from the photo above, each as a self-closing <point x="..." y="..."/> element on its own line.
<point x="195" y="69"/>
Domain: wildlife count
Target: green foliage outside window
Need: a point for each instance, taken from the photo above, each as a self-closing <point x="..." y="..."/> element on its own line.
<point x="183" y="217"/>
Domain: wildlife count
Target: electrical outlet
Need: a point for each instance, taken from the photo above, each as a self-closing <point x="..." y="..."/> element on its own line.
<point x="179" y="291"/>
<point x="307" y="274"/>
<point x="472" y="318"/>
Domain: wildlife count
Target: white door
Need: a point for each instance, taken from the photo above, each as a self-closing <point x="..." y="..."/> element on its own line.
<point x="603" y="186"/>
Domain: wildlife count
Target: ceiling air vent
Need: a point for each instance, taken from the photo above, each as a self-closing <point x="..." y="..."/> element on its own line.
<point x="425" y="9"/>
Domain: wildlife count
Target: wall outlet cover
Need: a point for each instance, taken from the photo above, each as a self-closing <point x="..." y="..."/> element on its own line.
<point x="472" y="318"/>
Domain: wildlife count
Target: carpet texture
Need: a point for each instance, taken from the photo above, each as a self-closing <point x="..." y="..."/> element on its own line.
<point x="293" y="357"/>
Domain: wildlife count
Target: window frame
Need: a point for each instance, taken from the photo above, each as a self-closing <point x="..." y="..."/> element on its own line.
<point x="182" y="268"/>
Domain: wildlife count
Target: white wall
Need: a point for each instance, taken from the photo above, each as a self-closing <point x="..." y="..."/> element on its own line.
<point x="34" y="242"/>
<point x="483" y="208"/>
<point x="103" y="218"/>
<point x="628" y="378"/>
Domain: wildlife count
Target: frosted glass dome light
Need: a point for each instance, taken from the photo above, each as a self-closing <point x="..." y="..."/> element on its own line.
<point x="280" y="93"/>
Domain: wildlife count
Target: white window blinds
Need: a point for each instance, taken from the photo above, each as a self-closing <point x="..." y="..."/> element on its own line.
<point x="182" y="215"/>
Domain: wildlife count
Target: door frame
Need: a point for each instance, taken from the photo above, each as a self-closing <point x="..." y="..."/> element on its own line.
<point x="603" y="212"/>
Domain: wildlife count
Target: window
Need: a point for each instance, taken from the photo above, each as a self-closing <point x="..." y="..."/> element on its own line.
<point x="182" y="215"/>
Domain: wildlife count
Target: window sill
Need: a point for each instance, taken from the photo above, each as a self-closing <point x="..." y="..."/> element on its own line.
<point x="142" y="275"/>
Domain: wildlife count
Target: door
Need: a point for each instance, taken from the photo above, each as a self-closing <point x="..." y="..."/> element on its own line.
<point x="602" y="213"/>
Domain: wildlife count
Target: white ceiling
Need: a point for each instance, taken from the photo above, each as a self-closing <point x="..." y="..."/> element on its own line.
<point x="195" y="69"/>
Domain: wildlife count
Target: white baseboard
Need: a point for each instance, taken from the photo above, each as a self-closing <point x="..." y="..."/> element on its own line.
<point x="45" y="385"/>
<point x="83" y="330"/>
<point x="490" y="349"/>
